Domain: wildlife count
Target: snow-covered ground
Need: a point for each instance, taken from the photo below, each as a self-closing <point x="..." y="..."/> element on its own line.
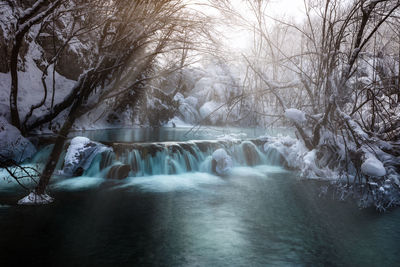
<point x="30" y="86"/>
<point x="13" y="145"/>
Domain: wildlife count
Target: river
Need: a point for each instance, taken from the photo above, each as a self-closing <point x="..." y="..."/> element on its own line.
<point x="262" y="215"/>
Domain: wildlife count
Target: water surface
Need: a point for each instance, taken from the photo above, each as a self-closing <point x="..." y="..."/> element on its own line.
<point x="164" y="134"/>
<point x="258" y="216"/>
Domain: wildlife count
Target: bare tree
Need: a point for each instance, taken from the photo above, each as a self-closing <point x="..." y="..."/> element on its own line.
<point x="324" y="77"/>
<point x="131" y="35"/>
<point x="24" y="21"/>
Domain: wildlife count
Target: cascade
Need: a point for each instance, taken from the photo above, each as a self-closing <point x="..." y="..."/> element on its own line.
<point x="146" y="159"/>
<point x="164" y="158"/>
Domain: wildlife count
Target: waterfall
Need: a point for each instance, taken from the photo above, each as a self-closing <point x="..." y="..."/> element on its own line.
<point x="146" y="159"/>
<point x="165" y="158"/>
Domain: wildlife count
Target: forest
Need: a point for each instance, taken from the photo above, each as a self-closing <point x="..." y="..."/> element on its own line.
<point x="99" y="99"/>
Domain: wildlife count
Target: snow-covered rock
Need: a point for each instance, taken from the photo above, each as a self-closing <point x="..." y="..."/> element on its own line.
<point x="80" y="155"/>
<point x="223" y="161"/>
<point x="373" y="167"/>
<point x="35" y="199"/>
<point x="295" y="115"/>
<point x="12" y="144"/>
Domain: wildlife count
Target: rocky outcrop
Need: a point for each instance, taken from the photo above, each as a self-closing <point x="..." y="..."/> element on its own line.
<point x="80" y="155"/>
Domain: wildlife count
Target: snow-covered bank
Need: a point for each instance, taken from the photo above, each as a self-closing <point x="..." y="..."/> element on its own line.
<point x="298" y="157"/>
<point x="375" y="182"/>
<point x="13" y="145"/>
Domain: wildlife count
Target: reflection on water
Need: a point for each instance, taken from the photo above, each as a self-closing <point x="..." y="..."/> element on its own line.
<point x="258" y="216"/>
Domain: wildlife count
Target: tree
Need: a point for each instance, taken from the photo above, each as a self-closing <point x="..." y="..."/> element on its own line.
<point x="348" y="118"/>
<point x="129" y="37"/>
<point x="24" y="21"/>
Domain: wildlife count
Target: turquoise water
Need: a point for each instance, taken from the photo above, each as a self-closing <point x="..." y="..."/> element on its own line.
<point x="262" y="215"/>
<point x="258" y="216"/>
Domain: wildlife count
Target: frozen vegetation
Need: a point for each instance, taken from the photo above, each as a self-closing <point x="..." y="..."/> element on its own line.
<point x="373" y="167"/>
<point x="295" y="115"/>
<point x="63" y="68"/>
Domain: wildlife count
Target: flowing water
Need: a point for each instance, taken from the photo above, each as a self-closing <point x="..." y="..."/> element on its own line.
<point x="173" y="211"/>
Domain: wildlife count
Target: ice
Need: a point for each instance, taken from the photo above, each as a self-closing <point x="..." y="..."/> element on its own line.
<point x="373" y="167"/>
<point x="295" y="115"/>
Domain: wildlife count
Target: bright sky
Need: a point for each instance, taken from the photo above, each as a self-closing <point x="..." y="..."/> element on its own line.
<point x="239" y="39"/>
<point x="288" y="8"/>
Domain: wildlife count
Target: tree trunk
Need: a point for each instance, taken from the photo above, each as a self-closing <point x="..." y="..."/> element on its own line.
<point x="14" y="81"/>
<point x="58" y="147"/>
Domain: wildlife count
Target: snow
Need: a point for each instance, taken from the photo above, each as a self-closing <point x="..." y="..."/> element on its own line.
<point x="192" y="101"/>
<point x="295" y="115"/>
<point x="179" y="97"/>
<point x="35" y="199"/>
<point x="5" y="112"/>
<point x="13" y="145"/>
<point x="80" y="154"/>
<point x="209" y="90"/>
<point x="30" y="85"/>
<point x="373" y="167"/>
<point x="232" y="137"/>
<point x="188" y="111"/>
<point x="298" y="157"/>
<point x="223" y="160"/>
<point x="212" y="111"/>
<point x="77" y="145"/>
<point x="177" y="122"/>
